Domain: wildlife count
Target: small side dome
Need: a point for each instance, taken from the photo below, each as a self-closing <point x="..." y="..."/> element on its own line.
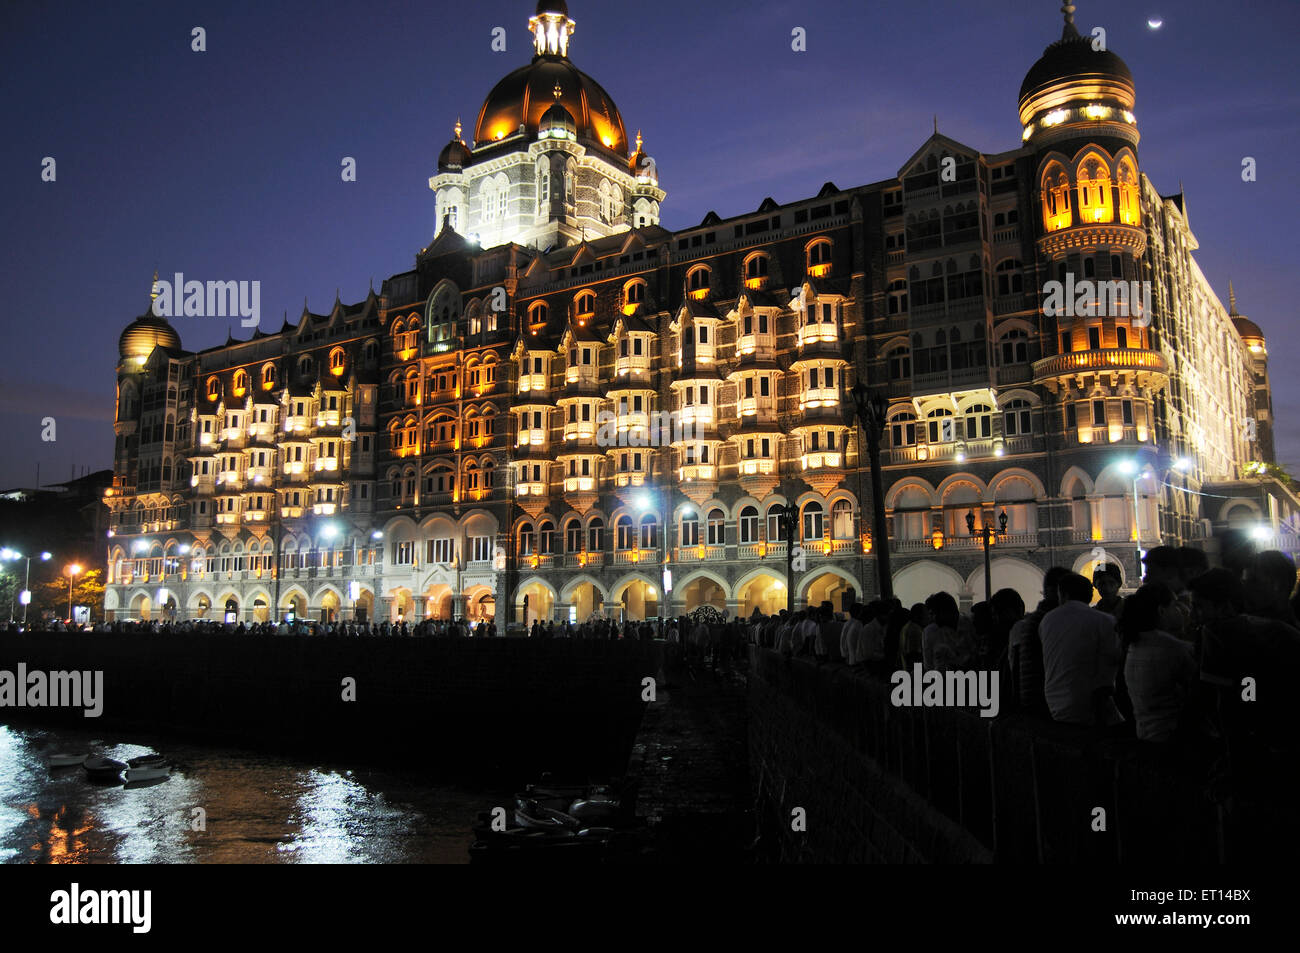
<point x="145" y="333"/>
<point x="557" y="123"/>
<point x="455" y="156"/>
<point x="641" y="167"/>
<point x="141" y="336"/>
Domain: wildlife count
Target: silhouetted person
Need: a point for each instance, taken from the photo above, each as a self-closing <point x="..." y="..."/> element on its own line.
<point x="1081" y="655"/>
<point x="1159" y="669"/>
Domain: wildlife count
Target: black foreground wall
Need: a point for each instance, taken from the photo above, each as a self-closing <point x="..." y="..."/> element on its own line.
<point x="446" y="706"/>
<point x="881" y="784"/>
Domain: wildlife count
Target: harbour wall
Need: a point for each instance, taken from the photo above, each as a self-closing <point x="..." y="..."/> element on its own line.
<point x="451" y="707"/>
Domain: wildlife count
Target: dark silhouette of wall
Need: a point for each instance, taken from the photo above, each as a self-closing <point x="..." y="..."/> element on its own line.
<point x="449" y="706"/>
<point x="882" y="784"/>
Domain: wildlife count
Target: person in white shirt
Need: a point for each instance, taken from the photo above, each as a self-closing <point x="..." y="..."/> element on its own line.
<point x="850" y="634"/>
<point x="1081" y="655"/>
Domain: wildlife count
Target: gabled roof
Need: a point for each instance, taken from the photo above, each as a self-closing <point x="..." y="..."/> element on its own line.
<point x="949" y="146"/>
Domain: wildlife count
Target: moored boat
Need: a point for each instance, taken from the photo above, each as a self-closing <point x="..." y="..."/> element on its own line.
<point x="100" y="768"/>
<point x="64" y="760"/>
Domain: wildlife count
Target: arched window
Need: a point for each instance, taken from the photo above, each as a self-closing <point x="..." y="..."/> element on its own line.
<point x="940" y="427"/>
<point x="819" y="254"/>
<point x="584" y="306"/>
<point x="305" y="364"/>
<point x="649" y="532"/>
<point x="573" y="536"/>
<point x="1056" y="198"/>
<point x="749" y="525"/>
<point x="697" y="281"/>
<point x="842" y="520"/>
<point x="690" y="531"/>
<point x="775" y="531"/>
<point x="543" y="189"/>
<point x="634" y="292"/>
<point x="1017" y="418"/>
<point x="241" y="383"/>
<point x="898" y="296"/>
<point x="527" y="539"/>
<point x="1094" y="190"/>
<point x="814" y="521"/>
<point x="546" y="537"/>
<point x="214" y="388"/>
<point x="539" y="312"/>
<point x="268" y="376"/>
<point x="336" y="361"/>
<point x="1014" y="347"/>
<point x="1010" y="277"/>
<point x="756" y="267"/>
<point x="900" y="363"/>
<point x="596" y="535"/>
<point x="717" y="527"/>
<point x="902" y="430"/>
<point x="978" y="421"/>
<point x="1130" y="212"/>
<point x="625" y="533"/>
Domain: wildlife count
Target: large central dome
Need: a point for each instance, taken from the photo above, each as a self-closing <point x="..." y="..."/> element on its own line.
<point x="526" y="94"/>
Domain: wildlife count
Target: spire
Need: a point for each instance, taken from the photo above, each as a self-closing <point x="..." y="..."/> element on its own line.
<point x="153" y="290"/>
<point x="1070" y="31"/>
<point x="557" y="92"/>
<point x="638" y="141"/>
<point x="457" y="130"/>
<point x="1232" y="301"/>
<point x="936" y="124"/>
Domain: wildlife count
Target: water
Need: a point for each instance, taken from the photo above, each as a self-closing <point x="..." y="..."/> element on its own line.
<point x="259" y="809"/>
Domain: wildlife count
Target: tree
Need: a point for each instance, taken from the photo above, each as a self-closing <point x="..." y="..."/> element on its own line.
<point x="50" y="599"/>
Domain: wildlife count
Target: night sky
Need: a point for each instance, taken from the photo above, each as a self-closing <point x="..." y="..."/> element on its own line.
<point x="225" y="164"/>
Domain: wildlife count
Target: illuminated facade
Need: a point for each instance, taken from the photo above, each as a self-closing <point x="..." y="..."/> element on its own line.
<point x="565" y="409"/>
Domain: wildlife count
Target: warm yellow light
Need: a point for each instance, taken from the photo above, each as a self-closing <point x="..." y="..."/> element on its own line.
<point x="74" y="570"/>
<point x="819" y="271"/>
<point x="936" y="539"/>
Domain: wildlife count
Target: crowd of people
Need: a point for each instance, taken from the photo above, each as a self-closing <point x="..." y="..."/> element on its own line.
<point x="425" y="628"/>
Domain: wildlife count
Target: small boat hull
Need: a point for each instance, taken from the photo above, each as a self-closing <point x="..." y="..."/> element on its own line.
<point x="66" y="760"/>
<point x="103" y="769"/>
<point x="152" y="772"/>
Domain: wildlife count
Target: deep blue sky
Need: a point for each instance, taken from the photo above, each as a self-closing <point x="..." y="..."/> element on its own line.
<point x="225" y="164"/>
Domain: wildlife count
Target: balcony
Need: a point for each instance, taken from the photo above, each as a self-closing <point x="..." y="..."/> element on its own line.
<point x="1150" y="366"/>
<point x="699" y="553"/>
<point x="624" y="557"/>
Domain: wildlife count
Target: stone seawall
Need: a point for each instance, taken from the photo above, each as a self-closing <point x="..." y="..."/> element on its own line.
<point x="447" y="706"/>
<point x="881" y="784"/>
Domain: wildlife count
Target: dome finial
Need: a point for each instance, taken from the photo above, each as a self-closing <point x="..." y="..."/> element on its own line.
<point x="457" y="129"/>
<point x="1067" y="10"/>
<point x="557" y="92"/>
<point x="153" y="290"/>
<point x="1232" y="301"/>
<point x="638" y="140"/>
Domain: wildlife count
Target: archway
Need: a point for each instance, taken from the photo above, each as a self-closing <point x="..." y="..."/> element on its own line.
<point x="534" y="602"/>
<point x="830" y="587"/>
<point x="261" y="610"/>
<point x="293" y="605"/>
<point x="329" y="606"/>
<point x="364" y="607"/>
<point x="586" y="601"/>
<point x="142" y="607"/>
<point x="765" y="593"/>
<point x="920" y="580"/>
<point x="438" y="602"/>
<point x="403" y="604"/>
<point x="637" y="599"/>
<point x="480" y="604"/>
<point x="704" y="591"/>
<point x="1025" y="578"/>
<point x="231" y="613"/>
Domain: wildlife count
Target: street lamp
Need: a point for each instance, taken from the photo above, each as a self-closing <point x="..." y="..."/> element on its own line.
<point x="789" y="519"/>
<point x="872" y="408"/>
<point x="8" y="554"/>
<point x="1132" y="469"/>
<point x="73" y="571"/>
<point x="27" y="587"/>
<point x="988" y="535"/>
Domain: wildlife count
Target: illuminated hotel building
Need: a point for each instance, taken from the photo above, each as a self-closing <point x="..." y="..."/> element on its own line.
<point x="438" y="449"/>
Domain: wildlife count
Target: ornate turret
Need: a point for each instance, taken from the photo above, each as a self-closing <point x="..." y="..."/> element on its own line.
<point x="141" y="336"/>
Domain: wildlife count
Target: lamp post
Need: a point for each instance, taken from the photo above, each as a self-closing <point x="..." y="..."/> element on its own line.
<point x="1135" y="470"/>
<point x="789" y="518"/>
<point x="73" y="571"/>
<point x="27" y="586"/>
<point x="7" y="554"/>
<point x="871" y="408"/>
<point x="988" y="535"/>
